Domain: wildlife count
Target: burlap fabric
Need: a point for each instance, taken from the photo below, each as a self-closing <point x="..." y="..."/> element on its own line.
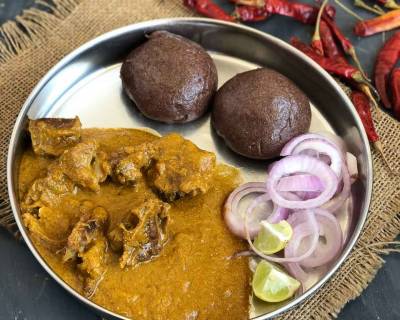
<point x="38" y="39"/>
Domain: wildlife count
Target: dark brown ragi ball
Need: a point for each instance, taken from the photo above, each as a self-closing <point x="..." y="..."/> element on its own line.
<point x="170" y="78"/>
<point x="257" y="112"/>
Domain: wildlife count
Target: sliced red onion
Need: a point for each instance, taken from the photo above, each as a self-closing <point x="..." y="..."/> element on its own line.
<point x="296" y="271"/>
<point x="289" y="147"/>
<point x="337" y="202"/>
<point x="323" y="157"/>
<point x="234" y="219"/>
<point x="323" y="147"/>
<point x="301" y="164"/>
<point x="300" y="182"/>
<point x="296" y="218"/>
<point x="334" y="138"/>
<point x="306" y="195"/>
<point x="254" y="218"/>
<point x="315" y="154"/>
<point x="294" y="268"/>
<point x="309" y="227"/>
<point x="325" y="251"/>
<point x="315" y="175"/>
<point x="280" y="213"/>
<point x="351" y="162"/>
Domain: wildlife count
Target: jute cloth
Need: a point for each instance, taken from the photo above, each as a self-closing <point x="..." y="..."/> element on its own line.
<point x="39" y="39"/>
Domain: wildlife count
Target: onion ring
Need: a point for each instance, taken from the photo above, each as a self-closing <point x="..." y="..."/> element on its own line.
<point x="288" y="148"/>
<point x="336" y="203"/>
<point x="300" y="182"/>
<point x="323" y="147"/>
<point x="328" y="227"/>
<point x="305" y="164"/>
<point x="233" y="219"/>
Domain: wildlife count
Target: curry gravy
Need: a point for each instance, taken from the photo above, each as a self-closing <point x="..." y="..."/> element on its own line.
<point x="192" y="278"/>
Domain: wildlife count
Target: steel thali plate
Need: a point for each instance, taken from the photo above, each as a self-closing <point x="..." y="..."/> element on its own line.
<point x="86" y="83"/>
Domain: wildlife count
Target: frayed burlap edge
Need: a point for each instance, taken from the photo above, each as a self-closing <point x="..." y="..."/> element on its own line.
<point x="32" y="25"/>
<point x="26" y="31"/>
<point x="36" y="25"/>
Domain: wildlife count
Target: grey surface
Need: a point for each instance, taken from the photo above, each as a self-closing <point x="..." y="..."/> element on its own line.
<point x="26" y="292"/>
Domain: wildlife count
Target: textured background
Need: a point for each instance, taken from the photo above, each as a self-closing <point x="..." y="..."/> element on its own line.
<point x="27" y="292"/>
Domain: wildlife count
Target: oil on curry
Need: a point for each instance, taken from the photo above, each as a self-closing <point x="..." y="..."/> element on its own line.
<point x="133" y="221"/>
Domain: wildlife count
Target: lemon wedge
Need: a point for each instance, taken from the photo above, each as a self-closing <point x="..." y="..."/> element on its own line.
<point x="273" y="237"/>
<point x="272" y="284"/>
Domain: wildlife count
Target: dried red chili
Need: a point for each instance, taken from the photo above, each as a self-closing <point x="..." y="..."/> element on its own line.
<point x="361" y="103"/>
<point x="395" y="85"/>
<point x="338" y="66"/>
<point x="346" y="71"/>
<point x="344" y="42"/>
<point x="298" y="11"/>
<point x="331" y="49"/>
<point x="388" y="21"/>
<point x="209" y="9"/>
<point x="302" y="12"/>
<point x="250" y="13"/>
<point x="385" y="62"/>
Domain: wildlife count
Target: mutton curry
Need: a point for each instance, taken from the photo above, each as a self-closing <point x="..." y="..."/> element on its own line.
<point x="133" y="221"/>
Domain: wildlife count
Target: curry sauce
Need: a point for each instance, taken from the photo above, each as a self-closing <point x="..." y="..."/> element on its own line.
<point x="184" y="271"/>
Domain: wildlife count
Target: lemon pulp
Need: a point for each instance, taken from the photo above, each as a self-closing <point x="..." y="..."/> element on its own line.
<point x="273" y="237"/>
<point x="272" y="284"/>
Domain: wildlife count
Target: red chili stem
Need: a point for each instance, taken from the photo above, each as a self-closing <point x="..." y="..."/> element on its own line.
<point x="333" y="66"/>
<point x="374" y="9"/>
<point x="390" y="4"/>
<point x="316" y="42"/>
<point x="251" y="3"/>
<point x="395" y="84"/>
<point x="366" y="89"/>
<point x="348" y="10"/>
<point x="250" y="14"/>
<point x="388" y="21"/>
<point x="209" y="9"/>
<point x="385" y="62"/>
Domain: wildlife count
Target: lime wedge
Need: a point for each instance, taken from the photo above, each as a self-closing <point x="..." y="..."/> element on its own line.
<point x="273" y="237"/>
<point x="272" y="284"/>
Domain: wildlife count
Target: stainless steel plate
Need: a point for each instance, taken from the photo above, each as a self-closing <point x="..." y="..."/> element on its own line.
<point x="86" y="83"/>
